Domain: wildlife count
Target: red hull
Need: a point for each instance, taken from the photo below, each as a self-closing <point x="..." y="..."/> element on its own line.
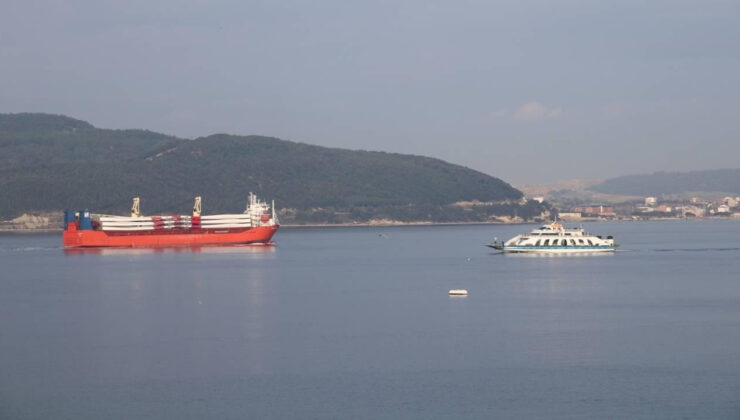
<point x="72" y="237"/>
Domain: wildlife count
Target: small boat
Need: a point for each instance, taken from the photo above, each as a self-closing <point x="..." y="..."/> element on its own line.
<point x="458" y="292"/>
<point x="554" y="238"/>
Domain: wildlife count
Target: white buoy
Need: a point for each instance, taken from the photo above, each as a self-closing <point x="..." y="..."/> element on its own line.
<point x="458" y="292"/>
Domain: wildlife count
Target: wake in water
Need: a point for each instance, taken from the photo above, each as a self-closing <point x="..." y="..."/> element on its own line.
<point x="697" y="249"/>
<point x="30" y="248"/>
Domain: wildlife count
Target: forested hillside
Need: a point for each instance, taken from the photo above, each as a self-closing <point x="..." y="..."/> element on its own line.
<point x="50" y="162"/>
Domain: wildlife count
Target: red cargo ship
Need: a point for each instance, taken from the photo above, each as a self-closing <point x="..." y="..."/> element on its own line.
<point x="257" y="224"/>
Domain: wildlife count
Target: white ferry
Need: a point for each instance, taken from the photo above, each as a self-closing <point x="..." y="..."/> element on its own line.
<point x="554" y="238"/>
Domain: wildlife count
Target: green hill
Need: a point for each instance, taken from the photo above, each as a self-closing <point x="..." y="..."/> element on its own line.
<point x="664" y="183"/>
<point x="50" y="162"/>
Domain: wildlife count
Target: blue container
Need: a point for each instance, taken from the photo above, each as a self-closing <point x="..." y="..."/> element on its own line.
<point x="69" y="217"/>
<point x="85" y="220"/>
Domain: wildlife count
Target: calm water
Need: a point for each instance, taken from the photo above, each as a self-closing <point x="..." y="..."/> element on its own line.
<point x="356" y="323"/>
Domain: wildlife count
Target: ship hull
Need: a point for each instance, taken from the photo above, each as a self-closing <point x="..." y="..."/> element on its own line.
<point x="74" y="238"/>
<point x="555" y="250"/>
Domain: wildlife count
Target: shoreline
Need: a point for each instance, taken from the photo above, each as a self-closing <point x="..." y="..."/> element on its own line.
<point x="410" y="224"/>
<point x="315" y="225"/>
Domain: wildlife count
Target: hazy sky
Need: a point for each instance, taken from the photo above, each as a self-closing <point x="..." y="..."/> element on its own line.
<point x="529" y="91"/>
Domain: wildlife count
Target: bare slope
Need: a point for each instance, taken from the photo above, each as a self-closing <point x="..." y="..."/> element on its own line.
<point x="660" y="183"/>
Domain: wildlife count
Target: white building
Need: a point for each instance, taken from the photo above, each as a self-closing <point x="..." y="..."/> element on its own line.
<point x="651" y="201"/>
<point x="570" y="216"/>
<point x="691" y="210"/>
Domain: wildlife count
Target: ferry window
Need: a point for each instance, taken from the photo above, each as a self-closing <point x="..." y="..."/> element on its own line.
<point x="537" y="243"/>
<point x="580" y="241"/>
<point x="572" y="242"/>
<point x="564" y="242"/>
<point x="547" y="242"/>
<point x="589" y="242"/>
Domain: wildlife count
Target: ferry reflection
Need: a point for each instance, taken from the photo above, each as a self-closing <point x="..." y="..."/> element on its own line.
<point x="256" y="250"/>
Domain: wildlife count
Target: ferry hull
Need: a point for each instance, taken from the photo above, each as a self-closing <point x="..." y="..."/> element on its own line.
<point x="555" y="250"/>
<point x="74" y="238"/>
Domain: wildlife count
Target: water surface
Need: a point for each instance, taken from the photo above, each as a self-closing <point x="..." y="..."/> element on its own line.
<point x="357" y="323"/>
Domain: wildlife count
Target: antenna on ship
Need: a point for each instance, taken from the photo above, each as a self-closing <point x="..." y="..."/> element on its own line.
<point x="250" y="201"/>
<point x="274" y="216"/>
<point x="196" y="207"/>
<point x="135" y="207"/>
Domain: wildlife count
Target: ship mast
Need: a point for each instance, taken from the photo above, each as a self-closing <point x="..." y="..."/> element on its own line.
<point x="196" y="207"/>
<point x="135" y="207"/>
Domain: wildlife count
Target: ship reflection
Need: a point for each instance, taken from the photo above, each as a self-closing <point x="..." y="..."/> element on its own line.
<point x="247" y="249"/>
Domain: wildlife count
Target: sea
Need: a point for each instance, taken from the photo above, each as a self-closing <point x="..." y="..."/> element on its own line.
<point x="357" y="323"/>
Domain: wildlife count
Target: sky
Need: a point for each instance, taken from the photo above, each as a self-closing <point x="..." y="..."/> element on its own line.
<point x="528" y="91"/>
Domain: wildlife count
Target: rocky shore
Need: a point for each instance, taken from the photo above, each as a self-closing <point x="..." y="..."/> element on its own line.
<point x="33" y="222"/>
